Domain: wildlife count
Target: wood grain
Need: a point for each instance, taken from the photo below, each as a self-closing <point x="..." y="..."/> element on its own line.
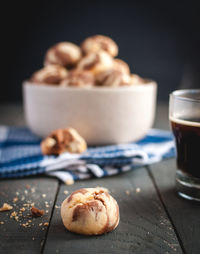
<point x="15" y="237"/>
<point x="185" y="214"/>
<point x="143" y="228"/>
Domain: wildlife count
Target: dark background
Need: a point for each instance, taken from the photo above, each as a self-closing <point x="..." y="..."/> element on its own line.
<point x="159" y="39"/>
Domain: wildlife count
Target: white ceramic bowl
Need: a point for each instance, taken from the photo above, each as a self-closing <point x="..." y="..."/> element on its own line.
<point x="102" y="115"/>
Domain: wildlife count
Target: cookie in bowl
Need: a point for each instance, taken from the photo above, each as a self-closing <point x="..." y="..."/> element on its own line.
<point x="99" y="42"/>
<point x="66" y="54"/>
<point x="51" y="75"/>
<point x="96" y="62"/>
<point x="79" y="78"/>
<point x="120" y="65"/>
<point x="90" y="211"/>
<point x="112" y="78"/>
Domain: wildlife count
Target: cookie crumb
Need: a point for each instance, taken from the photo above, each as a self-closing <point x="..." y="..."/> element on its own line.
<point x="65" y="192"/>
<point x="25" y="225"/>
<point x="13" y="214"/>
<point x="22" y="209"/>
<point x="1" y="222"/>
<point x="44" y="195"/>
<point x="6" y="207"/>
<point x="46" y="224"/>
<point x="127" y="192"/>
<point x="69" y="182"/>
<point x="56" y="206"/>
<point x="33" y="238"/>
<point x="138" y="190"/>
<point x="15" y="199"/>
<point x="37" y="212"/>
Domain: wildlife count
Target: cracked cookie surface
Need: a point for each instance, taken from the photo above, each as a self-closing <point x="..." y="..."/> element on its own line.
<point x="90" y="211"/>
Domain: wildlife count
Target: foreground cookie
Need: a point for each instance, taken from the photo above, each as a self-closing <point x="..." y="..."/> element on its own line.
<point x="63" y="140"/>
<point x="90" y="211"/>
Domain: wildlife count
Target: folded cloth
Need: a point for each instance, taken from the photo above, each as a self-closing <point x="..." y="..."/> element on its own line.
<point x="20" y="155"/>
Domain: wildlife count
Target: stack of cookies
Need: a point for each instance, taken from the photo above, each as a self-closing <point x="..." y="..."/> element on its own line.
<point x="92" y="64"/>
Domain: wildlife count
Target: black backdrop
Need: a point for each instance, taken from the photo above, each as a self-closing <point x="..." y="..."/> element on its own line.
<point x="159" y="39"/>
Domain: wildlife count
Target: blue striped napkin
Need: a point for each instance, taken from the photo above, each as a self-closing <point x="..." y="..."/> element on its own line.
<point x="20" y="155"/>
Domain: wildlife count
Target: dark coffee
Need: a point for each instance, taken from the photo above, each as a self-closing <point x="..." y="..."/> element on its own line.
<point x="187" y="136"/>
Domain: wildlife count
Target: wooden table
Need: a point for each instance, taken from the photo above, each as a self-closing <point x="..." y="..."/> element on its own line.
<point x="154" y="219"/>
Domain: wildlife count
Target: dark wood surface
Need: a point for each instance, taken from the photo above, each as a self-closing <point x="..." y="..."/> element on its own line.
<point x="153" y="220"/>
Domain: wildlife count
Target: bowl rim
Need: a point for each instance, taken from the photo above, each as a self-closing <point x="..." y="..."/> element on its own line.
<point x="149" y="84"/>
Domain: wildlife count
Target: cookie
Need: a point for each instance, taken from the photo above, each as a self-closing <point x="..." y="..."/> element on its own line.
<point x="63" y="140"/>
<point x="90" y="211"/>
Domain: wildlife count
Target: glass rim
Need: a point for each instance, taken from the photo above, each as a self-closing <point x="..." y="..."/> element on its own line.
<point x="179" y="94"/>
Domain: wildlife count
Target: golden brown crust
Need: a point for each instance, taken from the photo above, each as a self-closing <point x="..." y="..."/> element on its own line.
<point x="95" y="62"/>
<point x="79" y="78"/>
<point x="99" y="42"/>
<point x="66" y="54"/>
<point x="63" y="140"/>
<point x="120" y="65"/>
<point x="82" y="191"/>
<point x="112" y="78"/>
<point x="51" y="75"/>
<point x="136" y="79"/>
<point x="90" y="211"/>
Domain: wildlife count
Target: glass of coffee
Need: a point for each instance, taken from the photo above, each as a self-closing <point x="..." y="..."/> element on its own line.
<point x="184" y="116"/>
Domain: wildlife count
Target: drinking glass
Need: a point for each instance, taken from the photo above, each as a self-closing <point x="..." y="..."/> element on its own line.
<point x="184" y="117"/>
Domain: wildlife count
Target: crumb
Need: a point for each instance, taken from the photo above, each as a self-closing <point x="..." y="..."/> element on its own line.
<point x="127" y="192"/>
<point x="25" y="225"/>
<point x="1" y="222"/>
<point x="46" y="224"/>
<point x="138" y="190"/>
<point x="13" y="214"/>
<point x="44" y="195"/>
<point x="15" y="200"/>
<point x="17" y="193"/>
<point x="16" y="218"/>
<point x="22" y="209"/>
<point x="32" y="190"/>
<point x="26" y="192"/>
<point x="30" y="221"/>
<point x="28" y="186"/>
<point x="56" y="206"/>
<point x="40" y="224"/>
<point x="22" y="199"/>
<point x="66" y="192"/>
<point x="69" y="182"/>
<point x="32" y="204"/>
<point x="33" y="238"/>
<point x="36" y="212"/>
<point x="6" y="207"/>
<point x="47" y="211"/>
